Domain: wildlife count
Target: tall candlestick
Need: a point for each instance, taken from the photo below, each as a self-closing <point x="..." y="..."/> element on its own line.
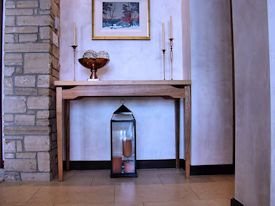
<point x="171" y="27"/>
<point x="74" y="53"/>
<point x="74" y="35"/>
<point x="163" y="36"/>
<point x="171" y="57"/>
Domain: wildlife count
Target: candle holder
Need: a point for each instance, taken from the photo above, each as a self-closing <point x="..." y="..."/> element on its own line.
<point x="163" y="62"/>
<point x="74" y="52"/>
<point x="171" y="56"/>
<point x="93" y="64"/>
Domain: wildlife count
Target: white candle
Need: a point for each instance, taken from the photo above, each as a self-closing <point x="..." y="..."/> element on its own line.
<point x="74" y="35"/>
<point x="171" y="27"/>
<point x="163" y="36"/>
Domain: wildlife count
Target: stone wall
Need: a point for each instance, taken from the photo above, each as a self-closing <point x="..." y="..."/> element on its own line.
<point x="31" y="65"/>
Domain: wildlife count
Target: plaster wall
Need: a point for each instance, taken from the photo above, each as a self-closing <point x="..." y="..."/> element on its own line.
<point x="141" y="60"/>
<point x="130" y="60"/>
<point x="271" y="23"/>
<point x="211" y="74"/>
<point x="253" y="126"/>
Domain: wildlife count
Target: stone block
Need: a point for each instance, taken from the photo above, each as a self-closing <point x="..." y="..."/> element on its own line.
<point x="8" y="91"/>
<point x="43" y="81"/>
<point x="16" y="130"/>
<point x="45" y="92"/>
<point x="37" y="143"/>
<point x="24" y="165"/>
<point x="37" y="63"/>
<point x="44" y="177"/>
<point x="43" y="122"/>
<point x="19" y="146"/>
<point x="8" y="71"/>
<point x="18" y="12"/>
<point x="9" y="38"/>
<point x="43" y="114"/>
<point x="12" y="176"/>
<point x="25" y="81"/>
<point x="24" y="119"/>
<point x="13" y="137"/>
<point x="26" y="155"/>
<point x="27" y="4"/>
<point x="55" y="9"/>
<point x="44" y="32"/>
<point x="27" y="47"/>
<point x="15" y="104"/>
<point x="9" y="146"/>
<point x="27" y="37"/>
<point x="45" y="4"/>
<point x="19" y="70"/>
<point x="9" y="21"/>
<point x="39" y="102"/>
<point x="13" y="59"/>
<point x="8" y="118"/>
<point x="9" y="155"/>
<point x="21" y="30"/>
<point x="25" y="91"/>
<point x="8" y="83"/>
<point x="44" y="12"/>
<point x="33" y="20"/>
<point x="2" y="175"/>
<point x="43" y="159"/>
<point x="10" y="4"/>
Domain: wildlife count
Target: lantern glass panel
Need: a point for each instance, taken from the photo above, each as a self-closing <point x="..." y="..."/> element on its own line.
<point x="123" y="141"/>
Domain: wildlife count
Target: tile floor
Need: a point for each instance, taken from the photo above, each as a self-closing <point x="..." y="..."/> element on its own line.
<point x="158" y="187"/>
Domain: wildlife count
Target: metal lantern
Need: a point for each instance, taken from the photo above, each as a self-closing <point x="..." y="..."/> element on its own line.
<point x="123" y="143"/>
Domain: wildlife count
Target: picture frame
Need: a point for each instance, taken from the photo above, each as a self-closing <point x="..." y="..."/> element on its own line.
<point x="121" y="19"/>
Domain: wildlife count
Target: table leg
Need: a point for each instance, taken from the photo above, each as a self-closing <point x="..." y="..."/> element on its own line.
<point x="67" y="133"/>
<point x="187" y="129"/>
<point x="177" y="132"/>
<point x="59" y="123"/>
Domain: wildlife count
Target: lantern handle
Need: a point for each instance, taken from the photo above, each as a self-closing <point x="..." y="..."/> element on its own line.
<point x="122" y="101"/>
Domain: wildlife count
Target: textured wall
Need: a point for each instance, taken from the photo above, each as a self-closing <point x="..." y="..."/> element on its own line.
<point x="211" y="68"/>
<point x="271" y="23"/>
<point x="31" y="65"/>
<point x="129" y="59"/>
<point x="139" y="60"/>
<point x="212" y="102"/>
<point x="253" y="126"/>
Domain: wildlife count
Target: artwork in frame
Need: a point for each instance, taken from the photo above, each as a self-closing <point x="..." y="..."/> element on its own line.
<point x="121" y="19"/>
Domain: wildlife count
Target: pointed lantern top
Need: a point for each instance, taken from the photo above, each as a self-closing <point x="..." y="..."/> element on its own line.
<point x="123" y="109"/>
<point x="122" y="114"/>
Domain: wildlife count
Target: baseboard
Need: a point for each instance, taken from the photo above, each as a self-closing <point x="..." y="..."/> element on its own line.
<point x="89" y="165"/>
<point x="235" y="202"/>
<point x="101" y="165"/>
<point x="156" y="164"/>
<point x="151" y="164"/>
<point x="210" y="169"/>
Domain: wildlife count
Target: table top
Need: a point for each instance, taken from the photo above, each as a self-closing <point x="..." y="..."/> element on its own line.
<point x="122" y="82"/>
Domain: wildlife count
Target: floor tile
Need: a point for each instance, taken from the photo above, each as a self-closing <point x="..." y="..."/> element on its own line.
<point x="74" y="194"/>
<point x="142" y="179"/>
<point x="214" y="190"/>
<point x="153" y="187"/>
<point x="223" y="202"/>
<point x="143" y="193"/>
<point x="17" y="193"/>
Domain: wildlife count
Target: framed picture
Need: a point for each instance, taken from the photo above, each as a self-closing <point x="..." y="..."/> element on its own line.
<point x="121" y="19"/>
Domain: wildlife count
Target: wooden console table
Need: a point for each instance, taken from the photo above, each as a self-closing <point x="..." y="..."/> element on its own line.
<point x="70" y="90"/>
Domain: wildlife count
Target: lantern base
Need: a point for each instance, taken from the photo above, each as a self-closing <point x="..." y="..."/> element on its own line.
<point x="118" y="175"/>
<point x="93" y="80"/>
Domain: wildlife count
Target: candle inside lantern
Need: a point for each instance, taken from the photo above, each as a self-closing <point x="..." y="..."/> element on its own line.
<point x="74" y="35"/>
<point x="171" y="27"/>
<point x="163" y="36"/>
